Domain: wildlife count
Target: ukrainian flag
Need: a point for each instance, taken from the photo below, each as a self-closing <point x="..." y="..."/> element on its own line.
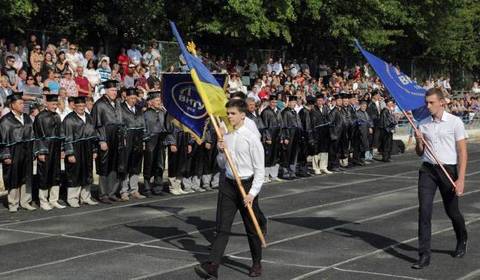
<point x="210" y="91"/>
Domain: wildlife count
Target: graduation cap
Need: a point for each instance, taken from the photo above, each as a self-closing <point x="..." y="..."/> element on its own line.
<point x="292" y="98"/>
<point x="320" y="95"/>
<point x="336" y="96"/>
<point x="154" y="94"/>
<point x="79" y="100"/>
<point x="46" y="89"/>
<point x="110" y="84"/>
<point x="14" y="97"/>
<point x="311" y="99"/>
<point x="51" y="97"/>
<point x="131" y="91"/>
<point x="272" y="97"/>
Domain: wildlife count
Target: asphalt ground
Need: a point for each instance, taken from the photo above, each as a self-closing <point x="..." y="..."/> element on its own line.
<point x="357" y="224"/>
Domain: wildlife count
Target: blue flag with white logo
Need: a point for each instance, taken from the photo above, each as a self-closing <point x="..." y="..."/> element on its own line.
<point x="182" y="101"/>
<point x="406" y="92"/>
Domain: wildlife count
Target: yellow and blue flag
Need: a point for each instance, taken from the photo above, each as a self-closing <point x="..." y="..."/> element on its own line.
<point x="407" y="93"/>
<point x="210" y="91"/>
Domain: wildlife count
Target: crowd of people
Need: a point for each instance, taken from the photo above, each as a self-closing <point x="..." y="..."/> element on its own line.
<point x="65" y="112"/>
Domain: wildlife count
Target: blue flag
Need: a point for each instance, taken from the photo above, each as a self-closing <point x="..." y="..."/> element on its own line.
<point x="182" y="101"/>
<point x="406" y="92"/>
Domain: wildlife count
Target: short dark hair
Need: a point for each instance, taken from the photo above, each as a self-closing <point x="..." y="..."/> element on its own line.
<point x="238" y="94"/>
<point x="240" y="104"/>
<point x="435" y="91"/>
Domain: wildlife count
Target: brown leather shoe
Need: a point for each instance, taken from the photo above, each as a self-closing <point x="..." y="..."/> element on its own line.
<point x="207" y="270"/>
<point x="255" y="270"/>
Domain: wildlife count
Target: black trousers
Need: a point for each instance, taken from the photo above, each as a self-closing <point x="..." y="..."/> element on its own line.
<point x="229" y="201"/>
<point x="386" y="143"/>
<point x="431" y="177"/>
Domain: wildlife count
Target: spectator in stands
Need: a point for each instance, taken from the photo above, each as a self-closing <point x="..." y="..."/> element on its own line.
<point x="53" y="81"/>
<point x="62" y="64"/>
<point x="10" y="72"/>
<point x="32" y="93"/>
<point x="134" y="54"/>
<point x="73" y="57"/>
<point x="123" y="60"/>
<point x="36" y="59"/>
<point x="83" y="85"/>
<point x="47" y="65"/>
<point x="69" y="84"/>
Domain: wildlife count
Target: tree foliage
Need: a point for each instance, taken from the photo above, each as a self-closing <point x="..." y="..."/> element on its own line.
<point x="447" y="29"/>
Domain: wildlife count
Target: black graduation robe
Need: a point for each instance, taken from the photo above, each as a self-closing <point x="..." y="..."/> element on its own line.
<point x="47" y="128"/>
<point x="131" y="141"/>
<point x="16" y="143"/>
<point x="321" y="128"/>
<point x="81" y="142"/>
<point x="158" y="137"/>
<point x="292" y="128"/>
<point x="107" y="119"/>
<point x="272" y="122"/>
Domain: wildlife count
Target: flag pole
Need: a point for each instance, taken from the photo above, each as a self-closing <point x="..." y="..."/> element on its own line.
<point x="429" y="149"/>
<point x="238" y="180"/>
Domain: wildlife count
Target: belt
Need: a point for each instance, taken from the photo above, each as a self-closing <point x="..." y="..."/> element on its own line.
<point x="428" y="164"/>
<point x="243" y="179"/>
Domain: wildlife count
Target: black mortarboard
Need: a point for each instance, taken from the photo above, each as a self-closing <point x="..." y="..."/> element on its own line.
<point x="110" y="84"/>
<point x="272" y="97"/>
<point x="131" y="91"/>
<point x="46" y="89"/>
<point x="154" y="94"/>
<point x="336" y="96"/>
<point x="79" y="100"/>
<point x="320" y="95"/>
<point x="311" y="99"/>
<point x="292" y="98"/>
<point x="51" y="97"/>
<point x="14" y="96"/>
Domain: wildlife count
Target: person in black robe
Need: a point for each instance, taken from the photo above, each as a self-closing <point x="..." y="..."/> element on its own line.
<point x="362" y="131"/>
<point x="373" y="110"/>
<point x="178" y="160"/>
<point x="16" y="153"/>
<point x="207" y="155"/>
<point x="80" y="148"/>
<point x="107" y="118"/>
<point x="336" y="131"/>
<point x="346" y="138"/>
<point x="47" y="148"/>
<point x="272" y="121"/>
<point x="131" y="146"/>
<point x="158" y="138"/>
<point x="386" y="125"/>
<point x="307" y="143"/>
<point x="292" y="128"/>
<point x="321" y="134"/>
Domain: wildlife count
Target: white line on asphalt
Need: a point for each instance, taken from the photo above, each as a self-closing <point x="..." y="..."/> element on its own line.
<point x="305" y="276"/>
<point x="378" y="274"/>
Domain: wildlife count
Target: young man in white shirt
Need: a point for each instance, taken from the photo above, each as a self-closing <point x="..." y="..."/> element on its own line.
<point x="445" y="133"/>
<point x="248" y="156"/>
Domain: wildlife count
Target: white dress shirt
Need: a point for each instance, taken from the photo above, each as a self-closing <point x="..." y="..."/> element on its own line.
<point x="19" y="118"/>
<point x="248" y="156"/>
<point x="82" y="117"/>
<point x="442" y="136"/>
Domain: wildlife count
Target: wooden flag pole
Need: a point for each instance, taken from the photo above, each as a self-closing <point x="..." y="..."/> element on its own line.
<point x="429" y="149"/>
<point x="240" y="187"/>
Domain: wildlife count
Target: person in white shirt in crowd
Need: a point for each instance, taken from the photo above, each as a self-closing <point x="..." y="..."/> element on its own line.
<point x="235" y="84"/>
<point x="134" y="54"/>
<point x="277" y="67"/>
<point x="74" y="57"/>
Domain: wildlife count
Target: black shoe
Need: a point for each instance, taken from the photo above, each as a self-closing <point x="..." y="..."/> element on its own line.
<point x="113" y="198"/>
<point x="335" y="170"/>
<point x="255" y="270"/>
<point x="147" y="194"/>
<point x="105" y="200"/>
<point x="157" y="191"/>
<point x="423" y="262"/>
<point x="461" y="249"/>
<point x="207" y="270"/>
